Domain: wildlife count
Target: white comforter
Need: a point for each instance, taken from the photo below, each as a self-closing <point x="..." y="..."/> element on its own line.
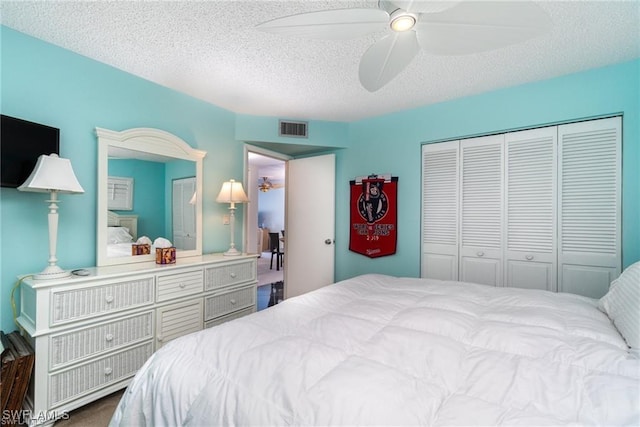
<point x="379" y="350"/>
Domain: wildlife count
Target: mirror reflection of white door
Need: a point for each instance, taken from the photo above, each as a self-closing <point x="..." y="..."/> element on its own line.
<point x="184" y="213"/>
<point x="310" y="224"/>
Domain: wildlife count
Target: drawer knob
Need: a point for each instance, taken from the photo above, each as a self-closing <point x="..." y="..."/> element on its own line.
<point x="109" y="299"/>
<point x="233" y="275"/>
<point x="108" y="371"/>
<point x="108" y="337"/>
<point x="160" y="338"/>
<point x="480" y="253"/>
<point x="529" y="257"/>
<point x="232" y="301"/>
<point x="182" y="285"/>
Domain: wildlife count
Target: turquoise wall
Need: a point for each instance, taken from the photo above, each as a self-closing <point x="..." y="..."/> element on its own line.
<point x="392" y="143"/>
<point x="43" y="83"/>
<point x="46" y="84"/>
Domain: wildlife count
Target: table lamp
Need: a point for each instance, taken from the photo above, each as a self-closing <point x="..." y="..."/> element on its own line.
<point x="53" y="175"/>
<point x="232" y="193"/>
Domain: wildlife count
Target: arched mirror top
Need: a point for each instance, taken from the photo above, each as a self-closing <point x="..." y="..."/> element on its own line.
<point x="149" y="184"/>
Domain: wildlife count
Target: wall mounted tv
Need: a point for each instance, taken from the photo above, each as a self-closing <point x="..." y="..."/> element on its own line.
<point x="21" y="143"/>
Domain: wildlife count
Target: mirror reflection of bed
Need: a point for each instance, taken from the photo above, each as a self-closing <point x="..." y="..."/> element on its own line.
<point x="122" y="231"/>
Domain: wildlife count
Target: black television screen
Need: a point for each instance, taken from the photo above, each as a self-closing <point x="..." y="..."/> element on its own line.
<point x="21" y="143"/>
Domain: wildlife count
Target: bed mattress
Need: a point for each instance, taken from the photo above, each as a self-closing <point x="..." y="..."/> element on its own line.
<point x="381" y="350"/>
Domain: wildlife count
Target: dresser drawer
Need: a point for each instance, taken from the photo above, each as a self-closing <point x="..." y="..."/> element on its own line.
<point x="103" y="297"/>
<point x="178" y="319"/>
<point x="235" y="315"/>
<point x="76" y="345"/>
<point x="82" y="379"/>
<point x="172" y="286"/>
<point x="230" y="274"/>
<point x="228" y="302"/>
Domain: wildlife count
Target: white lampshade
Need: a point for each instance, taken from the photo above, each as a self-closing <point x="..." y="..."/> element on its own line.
<point x="52" y="173"/>
<point x="232" y="192"/>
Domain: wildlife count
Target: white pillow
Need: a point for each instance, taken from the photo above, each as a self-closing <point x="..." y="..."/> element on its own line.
<point x="622" y="305"/>
<point x="118" y="235"/>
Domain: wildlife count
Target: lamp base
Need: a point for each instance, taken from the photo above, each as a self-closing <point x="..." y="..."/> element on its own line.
<point x="52" y="272"/>
<point x="232" y="252"/>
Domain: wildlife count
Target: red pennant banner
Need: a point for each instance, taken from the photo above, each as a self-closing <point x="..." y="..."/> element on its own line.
<point x="374" y="216"/>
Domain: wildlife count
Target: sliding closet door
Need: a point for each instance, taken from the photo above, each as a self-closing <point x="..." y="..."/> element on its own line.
<point x="589" y="206"/>
<point x="481" y="207"/>
<point x="440" y="211"/>
<point x="530" y="209"/>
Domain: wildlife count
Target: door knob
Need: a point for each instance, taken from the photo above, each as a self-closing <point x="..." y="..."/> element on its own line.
<point x="328" y="241"/>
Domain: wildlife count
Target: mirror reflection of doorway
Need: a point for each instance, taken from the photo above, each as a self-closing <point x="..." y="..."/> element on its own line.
<point x="184" y="213"/>
<point x="267" y="194"/>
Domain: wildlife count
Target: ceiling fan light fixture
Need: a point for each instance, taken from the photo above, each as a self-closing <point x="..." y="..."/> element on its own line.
<point x="402" y="22"/>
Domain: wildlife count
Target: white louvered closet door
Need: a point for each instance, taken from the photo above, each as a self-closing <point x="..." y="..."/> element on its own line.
<point x="440" y="211"/>
<point x="589" y="206"/>
<point x="530" y="209"/>
<point x="481" y="210"/>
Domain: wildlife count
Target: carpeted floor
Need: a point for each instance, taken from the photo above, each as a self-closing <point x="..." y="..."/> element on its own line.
<point x="95" y="414"/>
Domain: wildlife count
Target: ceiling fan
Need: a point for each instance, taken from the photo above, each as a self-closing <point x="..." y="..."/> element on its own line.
<point x="439" y="27"/>
<point x="266" y="185"/>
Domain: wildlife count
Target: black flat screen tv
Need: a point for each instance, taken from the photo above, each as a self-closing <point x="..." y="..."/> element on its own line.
<point x="21" y="143"/>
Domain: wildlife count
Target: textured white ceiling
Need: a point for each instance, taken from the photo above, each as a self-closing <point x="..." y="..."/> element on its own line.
<point x="211" y="50"/>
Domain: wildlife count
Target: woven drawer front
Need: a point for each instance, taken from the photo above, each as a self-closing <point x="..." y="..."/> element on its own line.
<point x="85" y="378"/>
<point x="177" y="320"/>
<point x="71" y="346"/>
<point x="88" y="302"/>
<point x="223" y="319"/>
<point x="225" y="275"/>
<point x="177" y="285"/>
<point x="219" y="305"/>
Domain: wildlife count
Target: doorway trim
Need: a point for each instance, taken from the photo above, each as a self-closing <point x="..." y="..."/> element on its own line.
<point x="252" y="192"/>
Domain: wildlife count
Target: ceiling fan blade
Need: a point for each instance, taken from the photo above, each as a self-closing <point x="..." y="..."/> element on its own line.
<point x="335" y="24"/>
<point x="472" y="27"/>
<point x="387" y="58"/>
<point x="422" y="6"/>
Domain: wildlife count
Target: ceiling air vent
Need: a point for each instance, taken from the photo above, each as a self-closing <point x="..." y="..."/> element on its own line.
<point x="293" y="129"/>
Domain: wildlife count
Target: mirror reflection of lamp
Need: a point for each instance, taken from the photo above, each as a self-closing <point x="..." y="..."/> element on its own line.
<point x="53" y="175"/>
<point x="232" y="193"/>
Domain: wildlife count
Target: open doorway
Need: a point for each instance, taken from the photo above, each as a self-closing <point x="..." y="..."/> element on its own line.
<point x="266" y="220"/>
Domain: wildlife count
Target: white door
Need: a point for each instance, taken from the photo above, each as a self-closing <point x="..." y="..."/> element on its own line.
<point x="184" y="213"/>
<point x="530" y="209"/>
<point x="440" y="211"/>
<point x="589" y="206"/>
<point x="310" y="224"/>
<point x="481" y="183"/>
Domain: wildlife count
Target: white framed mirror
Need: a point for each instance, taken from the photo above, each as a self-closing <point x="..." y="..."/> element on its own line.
<point x="154" y="160"/>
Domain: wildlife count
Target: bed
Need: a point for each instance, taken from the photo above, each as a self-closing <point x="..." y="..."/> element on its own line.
<point x="382" y="350"/>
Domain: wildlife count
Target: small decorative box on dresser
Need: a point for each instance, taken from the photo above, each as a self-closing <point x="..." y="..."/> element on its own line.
<point x="92" y="333"/>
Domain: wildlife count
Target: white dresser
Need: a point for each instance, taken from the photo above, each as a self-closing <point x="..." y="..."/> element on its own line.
<point x="91" y="334"/>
